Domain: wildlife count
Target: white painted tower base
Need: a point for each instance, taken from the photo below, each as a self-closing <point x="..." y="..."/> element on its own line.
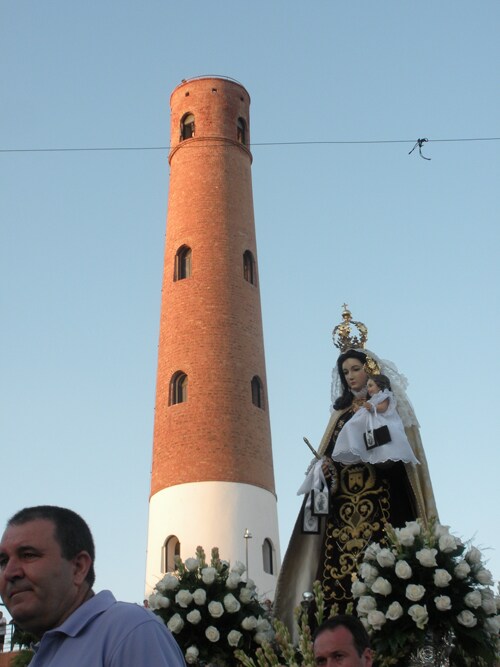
<point x="216" y="514"/>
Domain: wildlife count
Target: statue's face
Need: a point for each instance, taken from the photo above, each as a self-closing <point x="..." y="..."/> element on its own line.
<point x="372" y="387"/>
<point x="354" y="374"/>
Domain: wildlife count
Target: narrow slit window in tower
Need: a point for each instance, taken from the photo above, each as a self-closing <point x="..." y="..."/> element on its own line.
<point x="171" y="548"/>
<point x="249" y="267"/>
<point x="178" y="388"/>
<point x="268" y="556"/>
<point x="242" y="131"/>
<point x="187" y="126"/>
<point x="182" y="263"/>
<point x="257" y="392"/>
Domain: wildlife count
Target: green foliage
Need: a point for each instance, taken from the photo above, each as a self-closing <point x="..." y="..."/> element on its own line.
<point x="282" y="651"/>
<point x="22" y="659"/>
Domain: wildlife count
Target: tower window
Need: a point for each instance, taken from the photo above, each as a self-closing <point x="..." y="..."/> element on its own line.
<point x="249" y="267"/>
<point x="182" y="263"/>
<point x="268" y="556"/>
<point x="171" y="549"/>
<point x="242" y="131"/>
<point x="187" y="126"/>
<point x="178" y="388"/>
<point x="257" y="392"/>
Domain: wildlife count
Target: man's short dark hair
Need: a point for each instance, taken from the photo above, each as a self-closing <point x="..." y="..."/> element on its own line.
<point x="360" y="637"/>
<point x="71" y="532"/>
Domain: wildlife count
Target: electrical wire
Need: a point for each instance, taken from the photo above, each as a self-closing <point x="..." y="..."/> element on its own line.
<point x="263" y="143"/>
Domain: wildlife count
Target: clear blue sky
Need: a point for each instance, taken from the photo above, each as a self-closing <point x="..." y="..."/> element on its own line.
<point x="411" y="245"/>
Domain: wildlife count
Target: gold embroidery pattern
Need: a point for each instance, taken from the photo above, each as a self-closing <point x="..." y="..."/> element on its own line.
<point x="359" y="511"/>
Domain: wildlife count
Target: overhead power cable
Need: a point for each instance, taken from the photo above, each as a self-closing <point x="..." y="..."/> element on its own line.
<point x="258" y="143"/>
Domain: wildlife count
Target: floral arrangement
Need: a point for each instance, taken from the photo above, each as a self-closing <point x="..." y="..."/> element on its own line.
<point x="422" y="580"/>
<point x="211" y="609"/>
<point x="281" y="650"/>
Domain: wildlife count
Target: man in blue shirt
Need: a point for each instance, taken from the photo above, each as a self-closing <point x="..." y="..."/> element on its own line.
<point x="46" y="577"/>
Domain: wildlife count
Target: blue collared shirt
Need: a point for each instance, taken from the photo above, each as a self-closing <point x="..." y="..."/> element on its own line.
<point x="105" y="633"/>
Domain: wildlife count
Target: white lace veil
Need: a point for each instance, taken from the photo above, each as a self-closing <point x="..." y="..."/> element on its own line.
<point x="398" y="386"/>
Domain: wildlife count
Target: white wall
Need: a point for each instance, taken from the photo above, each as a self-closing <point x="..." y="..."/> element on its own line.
<point x="215" y="514"/>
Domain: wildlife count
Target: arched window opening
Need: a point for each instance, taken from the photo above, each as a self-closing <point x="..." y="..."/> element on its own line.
<point x="257" y="392"/>
<point x="171" y="549"/>
<point x="187" y="126"/>
<point x="182" y="263"/>
<point x="242" y="131"/>
<point x="249" y="267"/>
<point x="268" y="556"/>
<point x="178" y="388"/>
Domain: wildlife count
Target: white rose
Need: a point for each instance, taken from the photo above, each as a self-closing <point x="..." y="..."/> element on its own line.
<point x="365" y="604"/>
<point x="168" y="583"/>
<point x="467" y="619"/>
<point x="175" y="624"/>
<point x="358" y="588"/>
<point x="365" y="623"/>
<point x="403" y="570"/>
<point x="415" y="592"/>
<point x="251" y="584"/>
<point x="488" y="602"/>
<point x="484" y="577"/>
<point x="233" y="638"/>
<point x="443" y="602"/>
<point x="212" y="634"/>
<point x="368" y="573"/>
<point x="249" y="623"/>
<point x="238" y="567"/>
<point x="191" y="655"/>
<point x="419" y="615"/>
<point x="414" y="527"/>
<point x="233" y="580"/>
<point x="394" y="611"/>
<point x="184" y="598"/>
<point x="405" y="536"/>
<point x="246" y="595"/>
<point x="194" y="617"/>
<point x="260" y="637"/>
<point x="427" y="557"/>
<point x="381" y="586"/>
<point x="263" y="625"/>
<point x="208" y="575"/>
<point x="492" y="625"/>
<point x="192" y="564"/>
<point x="441" y="578"/>
<point x="215" y="609"/>
<point x="200" y="596"/>
<point x="440" y="530"/>
<point x="385" y="558"/>
<point x="376" y="619"/>
<point x="461" y="569"/>
<point x="371" y="551"/>
<point x="473" y="556"/>
<point x="473" y="599"/>
<point x="231" y="603"/>
<point x="447" y="543"/>
<point x="158" y="601"/>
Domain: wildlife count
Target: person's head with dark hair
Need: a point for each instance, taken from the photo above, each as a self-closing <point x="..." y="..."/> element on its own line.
<point x="71" y="531"/>
<point x="378" y="383"/>
<point x="46" y="566"/>
<point x="353" y="376"/>
<point x="344" y="640"/>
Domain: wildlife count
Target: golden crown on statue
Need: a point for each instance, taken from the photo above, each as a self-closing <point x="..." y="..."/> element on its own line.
<point x="349" y="334"/>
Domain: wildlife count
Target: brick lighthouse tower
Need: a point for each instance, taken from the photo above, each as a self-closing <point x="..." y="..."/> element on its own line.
<point x="212" y="480"/>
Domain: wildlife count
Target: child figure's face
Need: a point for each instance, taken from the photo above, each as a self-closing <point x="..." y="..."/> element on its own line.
<point x="372" y="387"/>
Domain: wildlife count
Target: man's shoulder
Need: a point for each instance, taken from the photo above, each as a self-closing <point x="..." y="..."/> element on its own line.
<point x="131" y="612"/>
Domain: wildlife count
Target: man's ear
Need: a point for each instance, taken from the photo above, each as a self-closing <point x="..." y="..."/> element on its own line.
<point x="367" y="657"/>
<point x="82" y="563"/>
